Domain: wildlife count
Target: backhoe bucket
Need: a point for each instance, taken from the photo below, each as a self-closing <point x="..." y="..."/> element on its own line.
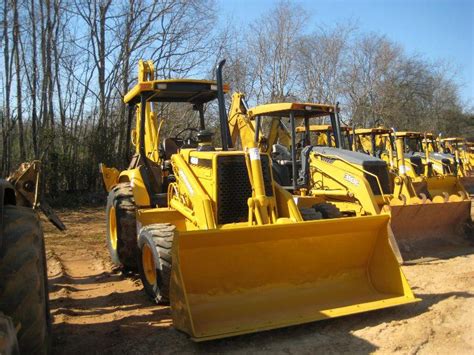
<point x="233" y="281"/>
<point x="430" y="222"/>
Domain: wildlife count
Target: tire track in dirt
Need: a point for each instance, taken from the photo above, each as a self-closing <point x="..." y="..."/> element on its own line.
<point x="93" y="304"/>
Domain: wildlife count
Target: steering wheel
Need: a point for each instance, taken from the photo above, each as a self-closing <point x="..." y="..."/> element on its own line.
<point x="189" y="139"/>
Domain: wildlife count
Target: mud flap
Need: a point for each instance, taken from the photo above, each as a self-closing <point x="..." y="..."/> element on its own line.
<point x="232" y="281"/>
<point x="109" y="176"/>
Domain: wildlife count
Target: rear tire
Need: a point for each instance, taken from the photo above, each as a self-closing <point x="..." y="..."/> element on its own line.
<point x="154" y="261"/>
<point x="328" y="210"/>
<point x="122" y="226"/>
<point x="24" y="290"/>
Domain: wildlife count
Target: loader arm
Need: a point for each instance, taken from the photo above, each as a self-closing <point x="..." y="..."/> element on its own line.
<point x="189" y="197"/>
<point x="262" y="208"/>
<point x="349" y="178"/>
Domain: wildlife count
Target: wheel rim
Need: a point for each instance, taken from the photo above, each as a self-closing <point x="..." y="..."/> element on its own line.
<point x="113" y="228"/>
<point x="148" y="263"/>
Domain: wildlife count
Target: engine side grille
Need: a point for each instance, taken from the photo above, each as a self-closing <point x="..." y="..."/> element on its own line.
<point x="233" y="189"/>
<point x="417" y="165"/>
<point x="381" y="171"/>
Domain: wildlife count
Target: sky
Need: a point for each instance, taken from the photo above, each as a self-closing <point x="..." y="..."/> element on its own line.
<point x="438" y="30"/>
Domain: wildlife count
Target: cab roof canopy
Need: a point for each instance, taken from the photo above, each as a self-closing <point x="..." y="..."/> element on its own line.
<point x="453" y="139"/>
<point x="376" y="130"/>
<point x="411" y="134"/>
<point x="321" y="128"/>
<point x="196" y="92"/>
<point x="300" y="110"/>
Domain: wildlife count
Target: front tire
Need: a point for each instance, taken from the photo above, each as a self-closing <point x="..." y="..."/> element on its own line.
<point x="122" y="227"/>
<point x="154" y="261"/>
<point x="23" y="287"/>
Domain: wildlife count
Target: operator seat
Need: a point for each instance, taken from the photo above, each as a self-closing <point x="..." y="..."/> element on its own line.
<point x="170" y="147"/>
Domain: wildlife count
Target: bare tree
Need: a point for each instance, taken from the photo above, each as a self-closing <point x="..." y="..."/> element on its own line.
<point x="6" y="119"/>
<point x="272" y="48"/>
<point x="321" y="58"/>
<point x="18" y="67"/>
<point x="67" y="64"/>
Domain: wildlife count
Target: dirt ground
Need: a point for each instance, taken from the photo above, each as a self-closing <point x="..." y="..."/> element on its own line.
<point x="97" y="309"/>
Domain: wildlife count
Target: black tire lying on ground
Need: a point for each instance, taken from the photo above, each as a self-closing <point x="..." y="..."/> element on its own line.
<point x="122" y="227"/>
<point x="23" y="286"/>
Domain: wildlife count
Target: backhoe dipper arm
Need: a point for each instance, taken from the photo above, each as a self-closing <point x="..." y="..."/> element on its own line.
<point x="240" y="125"/>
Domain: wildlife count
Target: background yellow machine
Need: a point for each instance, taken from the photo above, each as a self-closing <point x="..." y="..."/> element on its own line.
<point x="470" y="152"/>
<point x="323" y="135"/>
<point x="434" y="205"/>
<point x="459" y="148"/>
<point x="357" y="184"/>
<point x="225" y="244"/>
<point x="439" y="169"/>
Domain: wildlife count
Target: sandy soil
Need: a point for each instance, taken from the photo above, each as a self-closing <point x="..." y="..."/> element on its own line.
<point x="97" y="309"/>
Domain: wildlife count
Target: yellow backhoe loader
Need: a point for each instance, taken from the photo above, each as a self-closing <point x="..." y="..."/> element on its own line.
<point x="432" y="205"/>
<point x="322" y="135"/>
<point x="25" y="320"/>
<point x="438" y="169"/>
<point x="225" y="244"/>
<point x="458" y="147"/>
<point x="470" y="152"/>
<point x="353" y="182"/>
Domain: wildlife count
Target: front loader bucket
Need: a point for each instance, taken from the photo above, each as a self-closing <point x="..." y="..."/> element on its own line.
<point x="429" y="222"/>
<point x="441" y="185"/>
<point x="468" y="183"/>
<point x="233" y="281"/>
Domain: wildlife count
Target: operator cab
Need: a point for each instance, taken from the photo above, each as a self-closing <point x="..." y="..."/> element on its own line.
<point x="420" y="145"/>
<point x="450" y="145"/>
<point x="285" y="148"/>
<point x="322" y="135"/>
<point x="194" y="92"/>
<point x="153" y="152"/>
<point x="374" y="141"/>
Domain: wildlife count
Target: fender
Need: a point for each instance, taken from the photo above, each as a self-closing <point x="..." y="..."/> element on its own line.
<point x="109" y="176"/>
